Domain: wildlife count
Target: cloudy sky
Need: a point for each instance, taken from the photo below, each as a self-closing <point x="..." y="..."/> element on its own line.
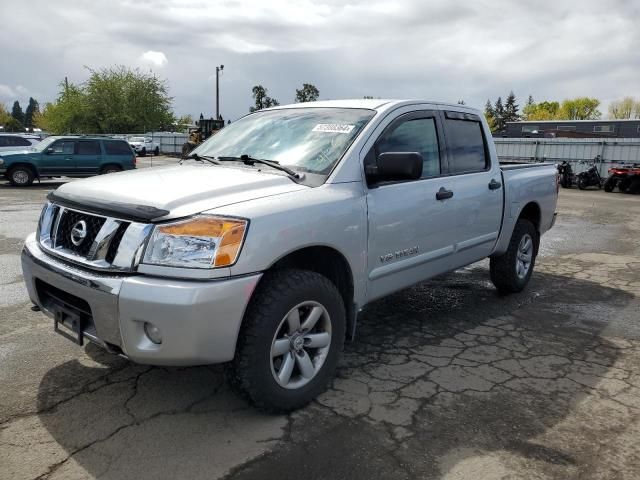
<point x="433" y="49"/>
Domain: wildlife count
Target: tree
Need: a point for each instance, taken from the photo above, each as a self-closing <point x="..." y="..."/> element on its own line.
<point x="490" y="115"/>
<point x="112" y="100"/>
<point x="17" y="113"/>
<point x="32" y="109"/>
<point x="498" y="115"/>
<point x="624" y="108"/>
<point x="580" y="108"/>
<point x="541" y="111"/>
<point x="261" y="98"/>
<point x="308" y="93"/>
<point x="5" y="116"/>
<point x="510" y="109"/>
<point x="182" y="123"/>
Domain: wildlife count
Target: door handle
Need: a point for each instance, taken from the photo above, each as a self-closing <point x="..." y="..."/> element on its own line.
<point x="443" y="194"/>
<point x="68" y="158"/>
<point x="494" y="184"/>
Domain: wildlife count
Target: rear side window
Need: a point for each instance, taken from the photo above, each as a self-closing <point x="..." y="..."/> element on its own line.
<point x="466" y="146"/>
<point x="117" y="148"/>
<point x="64" y="147"/>
<point x="4" y="142"/>
<point x="417" y="135"/>
<point x="19" y="142"/>
<point x="88" y="147"/>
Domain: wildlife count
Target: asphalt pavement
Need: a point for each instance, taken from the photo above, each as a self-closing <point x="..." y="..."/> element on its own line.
<point x="444" y="380"/>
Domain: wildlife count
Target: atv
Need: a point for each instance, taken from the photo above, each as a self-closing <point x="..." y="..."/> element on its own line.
<point x="625" y="177"/>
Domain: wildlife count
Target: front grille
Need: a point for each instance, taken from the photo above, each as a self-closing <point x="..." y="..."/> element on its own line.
<point x="115" y="242"/>
<point x="108" y="244"/>
<point x="71" y="219"/>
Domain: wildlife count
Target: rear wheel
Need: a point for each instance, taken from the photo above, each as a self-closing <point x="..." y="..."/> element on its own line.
<point x="21" y="176"/>
<point x="111" y="169"/>
<point x="582" y="183"/>
<point x="290" y="341"/>
<point x="511" y="271"/>
<point x="156" y="152"/>
<point x="634" y="186"/>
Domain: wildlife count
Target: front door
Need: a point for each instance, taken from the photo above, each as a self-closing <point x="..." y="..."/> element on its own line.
<point x="58" y="158"/>
<point x="411" y="231"/>
<point x="88" y="157"/>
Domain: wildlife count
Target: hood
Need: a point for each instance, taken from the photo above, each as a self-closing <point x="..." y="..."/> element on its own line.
<point x="17" y="152"/>
<point x="171" y="192"/>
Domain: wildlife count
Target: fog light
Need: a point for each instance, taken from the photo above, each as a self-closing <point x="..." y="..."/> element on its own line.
<point x="153" y="333"/>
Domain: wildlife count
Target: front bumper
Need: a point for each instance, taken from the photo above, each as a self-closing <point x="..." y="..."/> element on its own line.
<point x="199" y="320"/>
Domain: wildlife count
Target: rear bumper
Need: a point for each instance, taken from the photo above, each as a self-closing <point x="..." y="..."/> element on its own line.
<point x="199" y="320"/>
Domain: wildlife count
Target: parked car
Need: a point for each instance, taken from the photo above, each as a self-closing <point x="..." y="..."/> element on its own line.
<point x="16" y="141"/>
<point x="68" y="157"/>
<point x="260" y="250"/>
<point x="144" y="145"/>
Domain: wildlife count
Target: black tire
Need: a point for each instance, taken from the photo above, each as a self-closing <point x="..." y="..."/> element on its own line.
<point x="624" y="184"/>
<point x="610" y="184"/>
<point x="634" y="186"/>
<point x="143" y="152"/>
<point x="582" y="183"/>
<point x="21" y="176"/>
<point x="110" y="169"/>
<point x="504" y="274"/>
<point x="156" y="152"/>
<point x="251" y="373"/>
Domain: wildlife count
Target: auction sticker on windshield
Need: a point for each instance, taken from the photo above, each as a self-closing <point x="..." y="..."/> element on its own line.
<point x="333" y="128"/>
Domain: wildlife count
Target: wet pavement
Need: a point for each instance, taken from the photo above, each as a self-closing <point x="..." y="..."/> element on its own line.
<point x="444" y="380"/>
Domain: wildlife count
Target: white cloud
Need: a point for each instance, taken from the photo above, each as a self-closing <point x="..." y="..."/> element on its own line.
<point x="157" y="59"/>
<point x="441" y="49"/>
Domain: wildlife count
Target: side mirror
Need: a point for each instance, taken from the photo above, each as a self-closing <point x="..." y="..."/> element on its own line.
<point x="396" y="166"/>
<point x="49" y="150"/>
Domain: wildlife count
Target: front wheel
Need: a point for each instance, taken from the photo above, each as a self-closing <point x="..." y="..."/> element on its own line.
<point x="290" y="341"/>
<point x="21" y="176"/>
<point x="156" y="152"/>
<point x="610" y="184"/>
<point x="143" y="152"/>
<point x="511" y="271"/>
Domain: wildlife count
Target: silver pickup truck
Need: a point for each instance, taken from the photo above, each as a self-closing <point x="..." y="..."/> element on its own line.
<point x="262" y="246"/>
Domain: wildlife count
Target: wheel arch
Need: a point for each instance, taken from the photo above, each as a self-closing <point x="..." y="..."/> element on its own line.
<point x="330" y="263"/>
<point x="33" y="168"/>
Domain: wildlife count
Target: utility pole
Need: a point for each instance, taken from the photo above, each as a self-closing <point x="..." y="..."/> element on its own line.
<point x="218" y="70"/>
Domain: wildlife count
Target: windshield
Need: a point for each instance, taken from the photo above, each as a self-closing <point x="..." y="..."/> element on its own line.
<point x="136" y="139"/>
<point x="307" y="139"/>
<point x="42" y="146"/>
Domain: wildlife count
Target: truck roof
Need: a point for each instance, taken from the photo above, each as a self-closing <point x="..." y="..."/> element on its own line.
<point x="373" y="104"/>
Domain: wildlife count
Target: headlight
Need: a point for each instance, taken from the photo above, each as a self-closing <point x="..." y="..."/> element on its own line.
<point x="201" y="242"/>
<point x="1" y="161"/>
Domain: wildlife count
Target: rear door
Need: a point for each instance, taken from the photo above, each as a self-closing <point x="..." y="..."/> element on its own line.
<point x="411" y="232"/>
<point x="58" y="158"/>
<point x="476" y="185"/>
<point x="88" y="157"/>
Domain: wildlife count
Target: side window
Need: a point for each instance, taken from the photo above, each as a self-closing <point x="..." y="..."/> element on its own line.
<point x="65" y="147"/>
<point x="466" y="146"/>
<point x="117" y="148"/>
<point x="417" y="135"/>
<point x="88" y="147"/>
<point x="19" y="142"/>
<point x="4" y="141"/>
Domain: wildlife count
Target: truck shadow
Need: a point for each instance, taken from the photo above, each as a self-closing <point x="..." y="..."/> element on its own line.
<point x="437" y="371"/>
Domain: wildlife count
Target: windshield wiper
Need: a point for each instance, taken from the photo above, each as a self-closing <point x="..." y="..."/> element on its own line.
<point x="249" y="160"/>
<point x="200" y="158"/>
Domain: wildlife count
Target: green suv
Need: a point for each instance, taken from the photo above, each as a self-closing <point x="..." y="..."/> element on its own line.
<point x="66" y="156"/>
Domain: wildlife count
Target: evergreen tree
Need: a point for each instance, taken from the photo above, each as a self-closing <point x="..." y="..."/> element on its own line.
<point x="498" y="115"/>
<point x="17" y="113"/>
<point x="488" y="109"/>
<point x="510" y="109"/>
<point x="308" y="93"/>
<point x="32" y="109"/>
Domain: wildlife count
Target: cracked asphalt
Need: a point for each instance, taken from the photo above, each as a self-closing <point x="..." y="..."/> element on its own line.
<point x="444" y="380"/>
